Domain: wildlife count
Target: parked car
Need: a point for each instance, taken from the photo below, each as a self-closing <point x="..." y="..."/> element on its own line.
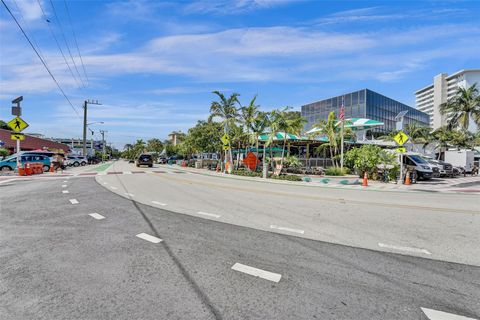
<point x="75" y="161"/>
<point x="144" y="160"/>
<point x="10" y="163"/>
<point x="444" y="169"/>
<point x="94" y="160"/>
<point x="162" y="160"/>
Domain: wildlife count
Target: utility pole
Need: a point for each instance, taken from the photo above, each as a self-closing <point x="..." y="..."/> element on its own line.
<point x="85" y="105"/>
<point x="17" y="111"/>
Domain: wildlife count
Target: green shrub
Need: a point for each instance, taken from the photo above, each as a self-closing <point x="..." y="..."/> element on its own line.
<point x="246" y="173"/>
<point x="367" y="158"/>
<point x="287" y="177"/>
<point x="334" y="171"/>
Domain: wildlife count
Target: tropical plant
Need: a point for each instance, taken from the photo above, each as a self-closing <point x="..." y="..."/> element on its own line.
<point x="419" y="134"/>
<point x="461" y="107"/>
<point x="3" y="125"/>
<point x="367" y="158"/>
<point x="225" y="110"/>
<point x="3" y="152"/>
<point x="154" y="145"/>
<point x="329" y="129"/>
<point x="247" y="118"/>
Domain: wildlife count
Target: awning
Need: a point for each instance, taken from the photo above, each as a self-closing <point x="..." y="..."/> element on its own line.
<point x="360" y="123"/>
<point x="281" y="136"/>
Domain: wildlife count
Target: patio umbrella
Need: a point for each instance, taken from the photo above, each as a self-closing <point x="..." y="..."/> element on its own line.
<point x="280" y="136"/>
<point x="361" y="123"/>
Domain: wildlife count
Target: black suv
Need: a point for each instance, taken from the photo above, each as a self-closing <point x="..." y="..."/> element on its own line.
<point x="144" y="160"/>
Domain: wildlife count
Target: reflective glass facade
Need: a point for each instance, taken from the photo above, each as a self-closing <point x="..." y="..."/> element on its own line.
<point x="363" y="104"/>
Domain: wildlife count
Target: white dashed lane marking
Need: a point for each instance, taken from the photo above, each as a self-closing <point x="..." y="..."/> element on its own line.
<point x="127" y="172"/>
<point x="440" y="315"/>
<point x="64" y="185"/>
<point x="129" y="194"/>
<point x="113" y="188"/>
<point x="105" y="183"/>
<point x="148" y="237"/>
<point x="73" y="201"/>
<point x="267" y="275"/>
<point x="287" y="229"/>
<point x="65" y="181"/>
<point x="209" y="214"/>
<point x="65" y="191"/>
<point x="407" y="249"/>
<point x="96" y="216"/>
<point x="159" y="203"/>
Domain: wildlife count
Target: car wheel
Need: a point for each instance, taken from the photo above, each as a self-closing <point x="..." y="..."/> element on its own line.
<point x="76" y="164"/>
<point x="46" y="168"/>
<point x="5" y="168"/>
<point x="150" y="165"/>
<point x="83" y="163"/>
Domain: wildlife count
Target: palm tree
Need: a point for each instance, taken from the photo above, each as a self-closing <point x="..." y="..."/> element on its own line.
<point x="463" y="106"/>
<point x="329" y="128"/>
<point x="247" y="117"/>
<point x="225" y="109"/>
<point x="418" y="134"/>
<point x="443" y="135"/>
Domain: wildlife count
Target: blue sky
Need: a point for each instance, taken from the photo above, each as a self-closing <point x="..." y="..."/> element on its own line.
<point x="154" y="64"/>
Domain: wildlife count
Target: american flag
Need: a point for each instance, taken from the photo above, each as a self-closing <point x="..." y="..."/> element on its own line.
<point x="342" y="110"/>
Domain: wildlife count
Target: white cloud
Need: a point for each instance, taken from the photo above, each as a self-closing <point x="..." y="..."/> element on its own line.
<point x="232" y="7"/>
<point x="29" y="9"/>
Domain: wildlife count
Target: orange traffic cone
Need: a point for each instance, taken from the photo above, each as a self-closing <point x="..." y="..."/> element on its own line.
<point x="407" y="179"/>
<point x="365" y="180"/>
<point x="28" y="170"/>
<point x="52" y="169"/>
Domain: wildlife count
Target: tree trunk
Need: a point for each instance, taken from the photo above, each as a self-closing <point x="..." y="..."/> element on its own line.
<point x="264" y="168"/>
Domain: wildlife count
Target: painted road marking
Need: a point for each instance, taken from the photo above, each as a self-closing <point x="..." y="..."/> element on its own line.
<point x="65" y="181"/>
<point x="73" y="201"/>
<point x="129" y="194"/>
<point x="400" y="248"/>
<point x="105" y="183"/>
<point x="8" y="180"/>
<point x="102" y="173"/>
<point x="440" y="315"/>
<point x="114" y="188"/>
<point x="287" y="229"/>
<point x="65" y="191"/>
<point x="64" y="185"/>
<point x="96" y="216"/>
<point x="127" y="172"/>
<point x="208" y="214"/>
<point x="148" y="237"/>
<point x="267" y="275"/>
<point x="159" y="203"/>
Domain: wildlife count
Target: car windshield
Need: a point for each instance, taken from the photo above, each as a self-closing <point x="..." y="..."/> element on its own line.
<point x="418" y="159"/>
<point x="145" y="157"/>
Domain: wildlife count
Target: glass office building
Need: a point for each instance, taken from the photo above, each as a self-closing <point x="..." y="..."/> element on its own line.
<point x="363" y="104"/>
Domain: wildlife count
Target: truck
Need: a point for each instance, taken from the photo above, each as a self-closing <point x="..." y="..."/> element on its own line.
<point x="463" y="159"/>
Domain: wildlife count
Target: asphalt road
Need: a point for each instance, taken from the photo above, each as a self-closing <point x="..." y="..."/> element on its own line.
<point x="437" y="226"/>
<point x="57" y="262"/>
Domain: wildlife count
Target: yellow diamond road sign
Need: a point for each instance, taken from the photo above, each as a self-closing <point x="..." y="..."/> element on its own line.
<point x="225" y="139"/>
<point x="400" y="138"/>
<point x="226" y="148"/>
<point x="17" y="136"/>
<point x="401" y="150"/>
<point x="17" y="124"/>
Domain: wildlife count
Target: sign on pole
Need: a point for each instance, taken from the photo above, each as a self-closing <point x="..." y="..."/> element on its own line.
<point x="17" y="136"/>
<point x="17" y="124"/>
<point x="225" y="139"/>
<point x="401" y="138"/>
<point x="401" y="150"/>
<point x="226" y="148"/>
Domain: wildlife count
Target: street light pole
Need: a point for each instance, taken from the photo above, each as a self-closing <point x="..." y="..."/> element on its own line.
<point x="103" y="143"/>
<point x="85" y="105"/>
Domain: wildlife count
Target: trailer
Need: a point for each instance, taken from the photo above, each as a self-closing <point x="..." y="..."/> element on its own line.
<point x="461" y="158"/>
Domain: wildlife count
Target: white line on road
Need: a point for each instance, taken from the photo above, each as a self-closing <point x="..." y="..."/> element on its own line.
<point x="159" y="203"/>
<point x="8" y="180"/>
<point x="127" y="172"/>
<point x="440" y="315"/>
<point x="148" y="237"/>
<point x="114" y="188"/>
<point x="287" y="229"/>
<point x="96" y="216"/>
<point x="105" y="183"/>
<point x="65" y="181"/>
<point x="65" y="191"/>
<point x="267" y="275"/>
<point x="209" y="214"/>
<point x="103" y="173"/>
<point x="129" y="194"/>
<point x="400" y="248"/>
<point x="64" y="185"/>
<point x="73" y="201"/>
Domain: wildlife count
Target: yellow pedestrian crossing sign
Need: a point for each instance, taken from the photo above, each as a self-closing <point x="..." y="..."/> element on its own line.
<point x="401" y="138"/>
<point x="17" y="124"/>
<point x="225" y="148"/>
<point x="17" y="136"/>
<point x="225" y="139"/>
<point x="401" y="150"/>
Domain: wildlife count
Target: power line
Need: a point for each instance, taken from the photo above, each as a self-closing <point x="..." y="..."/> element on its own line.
<point x="41" y="59"/>
<point x="75" y="39"/>
<point x="56" y="41"/>
<point x="66" y="42"/>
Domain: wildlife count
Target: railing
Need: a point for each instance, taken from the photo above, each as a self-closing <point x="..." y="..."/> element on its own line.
<point x="316" y="162"/>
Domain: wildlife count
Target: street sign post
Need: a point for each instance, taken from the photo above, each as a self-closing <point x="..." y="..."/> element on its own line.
<point x="17" y="124"/>
<point x="17" y="136"/>
<point x="401" y="138"/>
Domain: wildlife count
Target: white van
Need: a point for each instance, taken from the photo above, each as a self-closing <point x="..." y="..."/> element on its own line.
<point x="414" y="162"/>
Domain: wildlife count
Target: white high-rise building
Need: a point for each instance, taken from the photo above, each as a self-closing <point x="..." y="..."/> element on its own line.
<point x="444" y="87"/>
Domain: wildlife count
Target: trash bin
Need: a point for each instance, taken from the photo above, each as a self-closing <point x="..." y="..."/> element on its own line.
<point x="198" y="164"/>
